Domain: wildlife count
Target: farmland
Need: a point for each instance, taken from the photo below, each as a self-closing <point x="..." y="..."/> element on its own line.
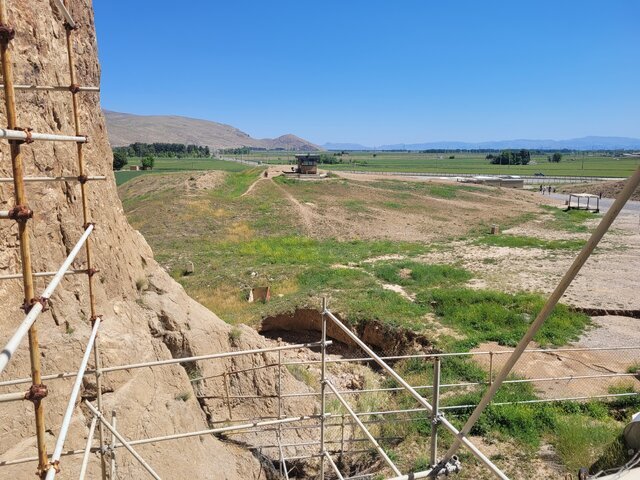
<point x="589" y="164"/>
<point x="413" y="256"/>
<point x="166" y="165"/>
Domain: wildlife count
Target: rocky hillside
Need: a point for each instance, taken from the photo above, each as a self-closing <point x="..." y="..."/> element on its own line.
<point x="147" y="316"/>
<point x="125" y="129"/>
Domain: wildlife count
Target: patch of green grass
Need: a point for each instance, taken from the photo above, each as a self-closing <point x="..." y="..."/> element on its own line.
<point x="579" y="440"/>
<point x="302" y="374"/>
<point x="394" y="205"/>
<point x="354" y="205"/>
<point x="485" y="315"/>
<point x="517" y="241"/>
<point x="184" y="396"/>
<point x="410" y="273"/>
<point x="237" y="183"/>
<point x="234" y="335"/>
<point x="570" y="220"/>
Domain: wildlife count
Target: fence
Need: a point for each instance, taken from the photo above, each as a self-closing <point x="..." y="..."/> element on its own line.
<point x="499" y="367"/>
<point x="528" y="179"/>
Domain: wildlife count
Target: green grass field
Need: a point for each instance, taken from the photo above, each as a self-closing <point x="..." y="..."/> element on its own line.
<point x="579" y="164"/>
<point x="164" y="165"/>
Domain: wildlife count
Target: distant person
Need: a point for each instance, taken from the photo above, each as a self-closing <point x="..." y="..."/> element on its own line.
<point x="600" y="195"/>
<point x="541" y="189"/>
<point x="549" y="187"/>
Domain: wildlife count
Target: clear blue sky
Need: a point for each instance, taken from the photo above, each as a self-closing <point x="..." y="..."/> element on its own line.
<point x="378" y="71"/>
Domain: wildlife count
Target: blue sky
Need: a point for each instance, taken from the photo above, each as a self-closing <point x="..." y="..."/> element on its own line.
<point x="378" y="71"/>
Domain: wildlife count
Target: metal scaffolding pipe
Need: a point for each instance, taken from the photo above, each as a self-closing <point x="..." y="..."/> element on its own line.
<point x="87" y="449"/>
<point x="53" y="88"/>
<point x="462" y="354"/>
<point x="71" y="405"/>
<point x="213" y="431"/>
<point x="15" y="276"/>
<point x="65" y="13"/>
<point x="333" y="465"/>
<point x="13" y="343"/>
<point x="172" y="361"/>
<point x="123" y="442"/>
<point x="21" y="135"/>
<point x="547" y="309"/>
<point x="63" y="178"/>
<point x="448" y="425"/>
<point x="373" y="441"/>
<point x="12" y="397"/>
<point x="17" y="168"/>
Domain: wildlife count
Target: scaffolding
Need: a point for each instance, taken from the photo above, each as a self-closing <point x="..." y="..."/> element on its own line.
<point x="21" y="213"/>
<point x="323" y="421"/>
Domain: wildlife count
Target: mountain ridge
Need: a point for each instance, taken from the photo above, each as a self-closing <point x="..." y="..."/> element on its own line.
<point x="127" y="128"/>
<point x="591" y="142"/>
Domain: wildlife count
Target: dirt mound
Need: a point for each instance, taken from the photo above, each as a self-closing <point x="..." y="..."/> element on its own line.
<point x="608" y="189"/>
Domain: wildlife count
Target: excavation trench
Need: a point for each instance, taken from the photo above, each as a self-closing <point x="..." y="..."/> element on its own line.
<point x="305" y="324"/>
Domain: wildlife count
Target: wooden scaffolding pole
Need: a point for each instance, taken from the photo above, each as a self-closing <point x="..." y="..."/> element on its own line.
<point x="70" y="27"/>
<point x="38" y="391"/>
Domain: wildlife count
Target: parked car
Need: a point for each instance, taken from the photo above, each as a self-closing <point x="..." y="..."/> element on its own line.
<point x="539" y="174"/>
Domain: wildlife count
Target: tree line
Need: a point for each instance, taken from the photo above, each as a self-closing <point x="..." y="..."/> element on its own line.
<point x="510" y="157"/>
<point x="178" y="150"/>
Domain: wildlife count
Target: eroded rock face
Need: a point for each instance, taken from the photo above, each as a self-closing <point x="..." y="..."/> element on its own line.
<point x="147" y="316"/>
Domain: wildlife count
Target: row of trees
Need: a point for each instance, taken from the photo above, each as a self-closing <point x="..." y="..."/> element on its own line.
<point x="510" y="157"/>
<point x="120" y="160"/>
<point x="178" y="150"/>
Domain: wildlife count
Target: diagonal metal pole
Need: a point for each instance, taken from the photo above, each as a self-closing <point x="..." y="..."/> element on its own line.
<point x="126" y="444"/>
<point x="630" y="186"/>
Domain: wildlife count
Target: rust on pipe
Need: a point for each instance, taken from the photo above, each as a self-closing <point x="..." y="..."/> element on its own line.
<point x="23" y="233"/>
<point x="85" y="215"/>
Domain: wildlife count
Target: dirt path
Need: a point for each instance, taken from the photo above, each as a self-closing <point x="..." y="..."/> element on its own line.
<point x="252" y="186"/>
<point x="305" y="213"/>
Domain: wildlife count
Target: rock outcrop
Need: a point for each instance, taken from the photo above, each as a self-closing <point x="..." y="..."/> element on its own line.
<point x="147" y="316"/>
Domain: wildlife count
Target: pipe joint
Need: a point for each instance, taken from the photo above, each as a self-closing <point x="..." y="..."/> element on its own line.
<point x="91" y="272"/>
<point x="74" y="88"/>
<point x="88" y="224"/>
<point x="70" y="28"/>
<point x="7" y="33"/>
<point x="83" y="179"/>
<point x="437" y="419"/>
<point x="28" y="305"/>
<point x="36" y="392"/>
<point x="94" y="318"/>
<point x="20" y="213"/>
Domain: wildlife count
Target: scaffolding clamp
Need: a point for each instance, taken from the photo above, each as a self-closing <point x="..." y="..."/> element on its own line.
<point x="91" y="272"/>
<point x="55" y="465"/>
<point x="88" y="224"/>
<point x="29" y="304"/>
<point x="437" y="419"/>
<point x="20" y="213"/>
<point x="7" y="33"/>
<point x="94" y="318"/>
<point x="36" y="392"/>
<point x="83" y="179"/>
<point x="28" y="132"/>
<point x="74" y="88"/>
<point x="69" y="28"/>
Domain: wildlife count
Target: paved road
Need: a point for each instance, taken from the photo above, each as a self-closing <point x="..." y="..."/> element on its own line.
<point x="605" y="203"/>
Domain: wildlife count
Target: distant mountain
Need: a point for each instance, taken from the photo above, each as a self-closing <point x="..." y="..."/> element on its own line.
<point x="345" y="146"/>
<point x="584" y="143"/>
<point x="125" y="128"/>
